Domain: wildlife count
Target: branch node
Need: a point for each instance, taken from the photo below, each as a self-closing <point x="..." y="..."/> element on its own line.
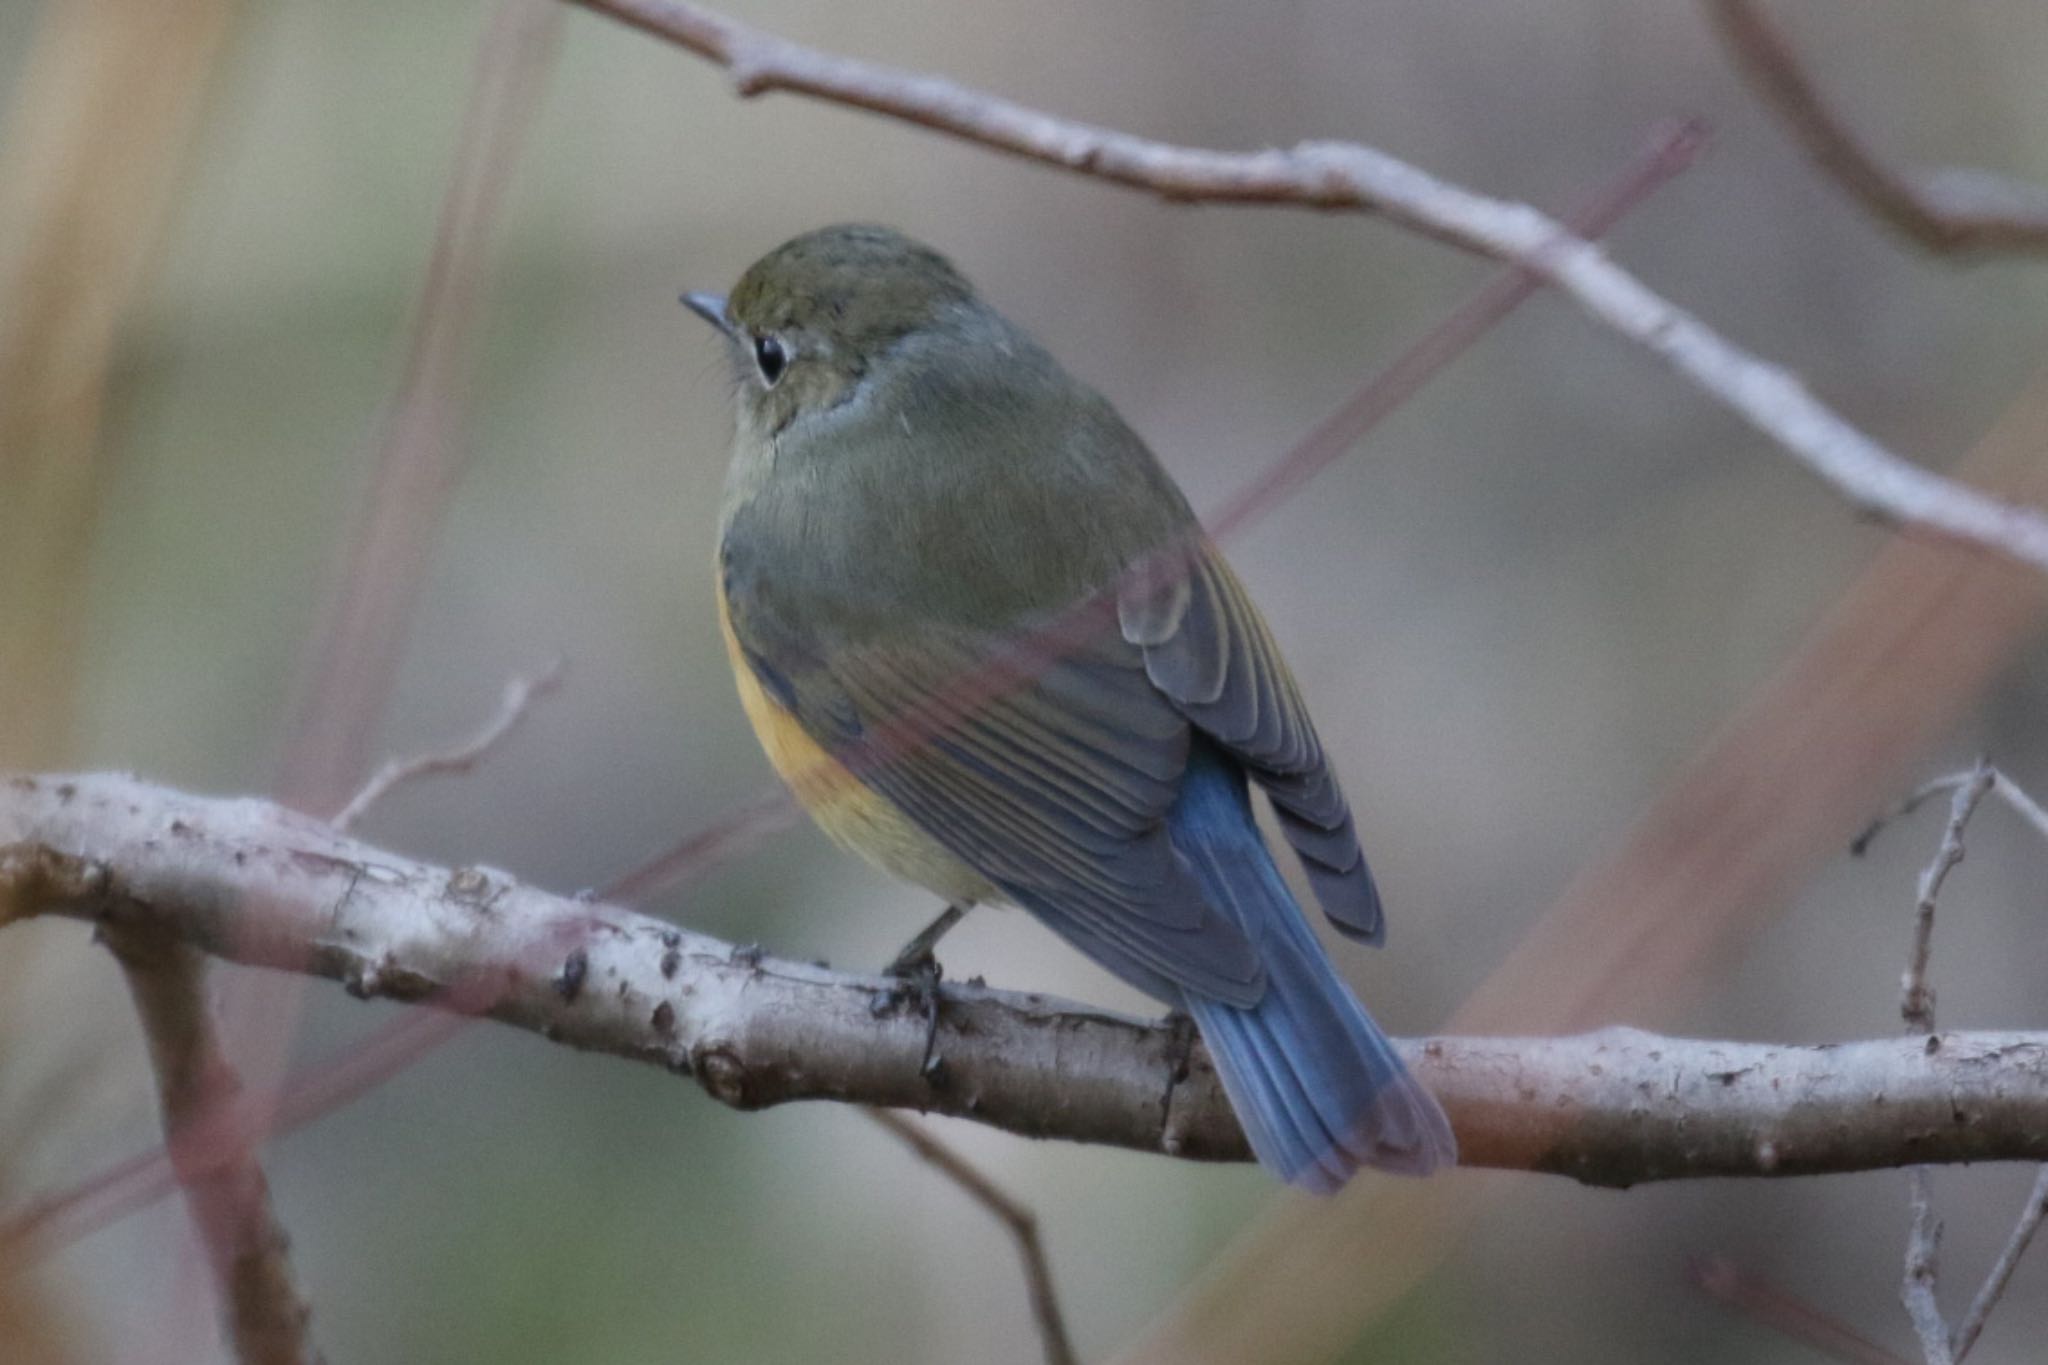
<point x="568" y="979"/>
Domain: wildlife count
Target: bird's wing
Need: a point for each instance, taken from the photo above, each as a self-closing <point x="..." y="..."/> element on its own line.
<point x="1207" y="649"/>
<point x="1052" y="779"/>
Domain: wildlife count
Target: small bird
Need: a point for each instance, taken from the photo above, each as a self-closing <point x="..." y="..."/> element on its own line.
<point x="921" y="506"/>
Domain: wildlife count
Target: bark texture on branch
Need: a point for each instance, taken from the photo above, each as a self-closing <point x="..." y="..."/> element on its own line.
<point x="260" y="885"/>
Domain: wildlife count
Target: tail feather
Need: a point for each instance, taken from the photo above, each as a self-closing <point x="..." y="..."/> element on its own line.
<point x="1261" y="1098"/>
<point x="1317" y="1087"/>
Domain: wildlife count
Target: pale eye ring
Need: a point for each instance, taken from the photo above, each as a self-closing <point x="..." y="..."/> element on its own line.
<point x="771" y="357"/>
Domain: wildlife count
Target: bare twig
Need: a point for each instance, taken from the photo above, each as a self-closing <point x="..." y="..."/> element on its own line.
<point x="1726" y="1282"/>
<point x="1350" y="176"/>
<point x="1950" y="212"/>
<point x="1967" y="790"/>
<point x="520" y="694"/>
<point x="1919" y="1290"/>
<point x="1923" y="1248"/>
<point x="263" y="1312"/>
<point x="2031" y="1213"/>
<point x="1915" y="799"/>
<point x="1916" y="998"/>
<point x="2023" y="805"/>
<point x="1020" y="1220"/>
<point x="2002" y="787"/>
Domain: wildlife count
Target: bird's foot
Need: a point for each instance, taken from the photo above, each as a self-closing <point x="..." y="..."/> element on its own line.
<point x="917" y="974"/>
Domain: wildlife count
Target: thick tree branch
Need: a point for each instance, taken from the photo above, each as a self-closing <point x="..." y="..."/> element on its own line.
<point x="252" y="882"/>
<point x="1948" y="212"/>
<point x="1350" y="176"/>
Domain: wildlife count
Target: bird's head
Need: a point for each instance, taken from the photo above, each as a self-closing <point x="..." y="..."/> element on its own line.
<point x="813" y="318"/>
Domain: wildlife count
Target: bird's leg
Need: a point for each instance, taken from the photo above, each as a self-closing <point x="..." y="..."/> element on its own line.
<point x="915" y="958"/>
<point x="917" y="972"/>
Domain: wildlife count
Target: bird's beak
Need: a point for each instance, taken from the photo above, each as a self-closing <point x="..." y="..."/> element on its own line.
<point x="711" y="308"/>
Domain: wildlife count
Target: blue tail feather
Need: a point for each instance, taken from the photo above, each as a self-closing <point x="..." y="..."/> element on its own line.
<point x="1317" y="1087"/>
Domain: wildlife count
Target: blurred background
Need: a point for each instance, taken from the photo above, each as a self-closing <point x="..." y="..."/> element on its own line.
<point x="1517" y="609"/>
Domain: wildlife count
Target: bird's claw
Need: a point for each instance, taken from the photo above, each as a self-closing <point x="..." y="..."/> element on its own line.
<point x="916" y="972"/>
<point x="915" y="989"/>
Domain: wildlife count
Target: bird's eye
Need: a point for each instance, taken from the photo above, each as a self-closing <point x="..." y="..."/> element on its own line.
<point x="772" y="358"/>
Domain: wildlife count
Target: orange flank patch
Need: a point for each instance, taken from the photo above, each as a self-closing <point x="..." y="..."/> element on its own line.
<point x="856" y="816"/>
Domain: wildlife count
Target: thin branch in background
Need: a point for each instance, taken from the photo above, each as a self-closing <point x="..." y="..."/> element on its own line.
<point x="2031" y="1213"/>
<point x="1948" y="212"/>
<point x="1918" y="1291"/>
<point x="1350" y="176"/>
<point x="698" y="852"/>
<point x="1725" y="1282"/>
<point x="1669" y="150"/>
<point x="1923" y="1272"/>
<point x="2002" y="786"/>
<point x="1916" y="997"/>
<point x="1966" y="790"/>
<point x="262" y="1311"/>
<point x="1013" y="1215"/>
<point x="1938" y="1343"/>
<point x="518" y="699"/>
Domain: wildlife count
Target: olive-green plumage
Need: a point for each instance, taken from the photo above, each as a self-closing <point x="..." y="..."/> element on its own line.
<point x="917" y="492"/>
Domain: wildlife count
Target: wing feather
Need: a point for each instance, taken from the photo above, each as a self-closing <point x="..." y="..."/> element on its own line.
<point x="1055" y="789"/>
<point x="1208" y="650"/>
